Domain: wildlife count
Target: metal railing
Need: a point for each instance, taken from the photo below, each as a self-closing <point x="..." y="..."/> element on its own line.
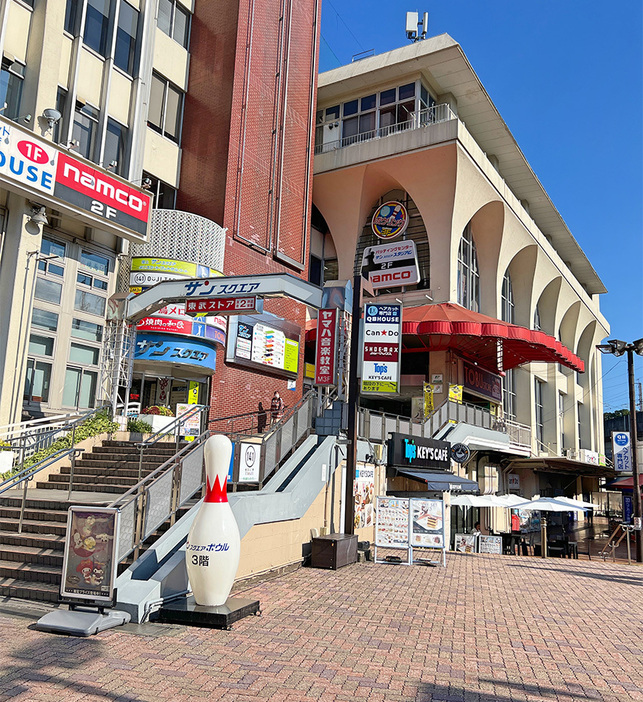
<point x="27" y="438"/>
<point x="423" y="118"/>
<point x="175" y="430"/>
<point x="376" y="426"/>
<point x="27" y="474"/>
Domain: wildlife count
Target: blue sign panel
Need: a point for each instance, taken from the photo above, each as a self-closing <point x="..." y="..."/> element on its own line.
<point x="628" y="509"/>
<point x="173" y="349"/>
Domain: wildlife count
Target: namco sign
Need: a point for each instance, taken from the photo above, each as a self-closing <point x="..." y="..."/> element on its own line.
<point x="36" y="167"/>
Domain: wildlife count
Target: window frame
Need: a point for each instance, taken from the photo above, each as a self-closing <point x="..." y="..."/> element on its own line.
<point x="468" y="272"/>
<point x="15" y="81"/>
<point x="171" y="30"/>
<point x="162" y="128"/>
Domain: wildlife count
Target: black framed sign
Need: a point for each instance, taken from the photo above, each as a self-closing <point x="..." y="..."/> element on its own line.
<point x="418" y="452"/>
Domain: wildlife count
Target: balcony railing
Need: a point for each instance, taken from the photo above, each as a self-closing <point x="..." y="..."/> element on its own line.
<point x="424" y="118"/>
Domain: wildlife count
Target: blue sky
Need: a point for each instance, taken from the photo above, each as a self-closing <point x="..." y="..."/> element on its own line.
<point x="567" y="78"/>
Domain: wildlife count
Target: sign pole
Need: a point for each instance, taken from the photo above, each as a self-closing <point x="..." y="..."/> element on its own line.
<point x="636" y="486"/>
<point x="353" y="408"/>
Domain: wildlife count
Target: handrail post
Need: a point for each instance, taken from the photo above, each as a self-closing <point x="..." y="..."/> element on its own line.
<point x="71" y="474"/>
<point x="22" y="506"/>
<point x="140" y="461"/>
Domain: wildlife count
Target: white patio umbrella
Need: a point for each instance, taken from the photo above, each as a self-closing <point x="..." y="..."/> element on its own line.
<point x="550" y="504"/>
<point x="576" y="503"/>
<point x="512" y="501"/>
<point x="473" y="501"/>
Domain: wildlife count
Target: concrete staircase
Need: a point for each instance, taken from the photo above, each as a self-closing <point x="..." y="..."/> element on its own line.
<point x="31" y="561"/>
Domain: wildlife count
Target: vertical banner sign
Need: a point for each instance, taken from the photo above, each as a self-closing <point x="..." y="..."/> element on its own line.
<point x="382" y="348"/>
<point x="428" y="400"/>
<point x="325" y="358"/>
<point x="622" y="451"/>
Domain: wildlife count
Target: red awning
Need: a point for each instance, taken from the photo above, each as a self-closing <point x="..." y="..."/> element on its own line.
<point x="625" y="483"/>
<point x="481" y="338"/>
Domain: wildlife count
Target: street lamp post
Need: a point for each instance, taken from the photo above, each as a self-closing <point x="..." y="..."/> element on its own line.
<point x="618" y="348"/>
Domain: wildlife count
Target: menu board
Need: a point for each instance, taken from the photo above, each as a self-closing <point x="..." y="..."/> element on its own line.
<point x="465" y="543"/>
<point x="392" y="526"/>
<point x="427" y="524"/>
<point x="264" y="341"/>
<point x="490" y="544"/>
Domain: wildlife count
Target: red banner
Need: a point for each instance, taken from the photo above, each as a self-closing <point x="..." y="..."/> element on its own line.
<point x="326" y="347"/>
<point x="380" y="352"/>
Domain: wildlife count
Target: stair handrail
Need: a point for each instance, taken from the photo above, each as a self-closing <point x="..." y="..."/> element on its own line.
<point x="173" y="428"/>
<point x="26" y="474"/>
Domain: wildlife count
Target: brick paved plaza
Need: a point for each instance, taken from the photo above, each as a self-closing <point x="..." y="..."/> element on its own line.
<point x="486" y="628"/>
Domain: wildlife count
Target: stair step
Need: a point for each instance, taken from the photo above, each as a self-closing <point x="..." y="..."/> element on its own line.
<point x="108" y="463"/>
<point x="17" y="587"/>
<point x="33" y="572"/>
<point x="7" y="512"/>
<point x="32" y="526"/>
<point x="112" y="489"/>
<point x="31" y="554"/>
<point x="105" y="471"/>
<point x="86" y="480"/>
<point x="55" y="542"/>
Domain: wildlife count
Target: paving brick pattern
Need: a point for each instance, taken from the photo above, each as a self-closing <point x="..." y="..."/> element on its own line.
<point x="485" y="628"/>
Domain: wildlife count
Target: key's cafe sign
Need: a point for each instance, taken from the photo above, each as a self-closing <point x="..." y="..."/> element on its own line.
<point x="419" y="452"/>
<point x="36" y="168"/>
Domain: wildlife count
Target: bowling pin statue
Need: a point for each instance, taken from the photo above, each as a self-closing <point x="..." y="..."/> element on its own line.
<point x="213" y="546"/>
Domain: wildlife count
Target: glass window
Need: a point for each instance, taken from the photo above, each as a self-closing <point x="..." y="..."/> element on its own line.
<point x="48" y="290"/>
<point x="84" y="279"/>
<point x="540" y="426"/>
<point x="166" y="102"/>
<point x="85" y="128"/>
<point x="407" y="91"/>
<point x="82" y="329"/>
<point x="537" y="318"/>
<point x="88" y="355"/>
<point x="37" y="381"/>
<point x="41" y="345"/>
<point x="332" y="113"/>
<point x="49" y="247"/>
<point x="125" y="50"/>
<point x="350" y="108"/>
<point x="72" y="15"/>
<point x="368" y="103"/>
<point x="11" y="78"/>
<point x="80" y="388"/>
<point x="88" y="302"/>
<point x="468" y="276"/>
<point x="43" y="319"/>
<point x="116" y="152"/>
<point x="61" y="102"/>
<point x="94" y="262"/>
<point x="96" y="34"/>
<point x="164" y="194"/>
<point x="174" y="20"/>
<point x="387" y="96"/>
<point x="507" y="300"/>
<point x="51" y="268"/>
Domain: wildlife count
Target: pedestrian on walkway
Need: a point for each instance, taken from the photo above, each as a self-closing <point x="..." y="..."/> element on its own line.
<point x="276" y="408"/>
<point x="262" y="418"/>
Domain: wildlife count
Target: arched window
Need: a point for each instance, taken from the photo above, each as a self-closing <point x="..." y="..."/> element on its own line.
<point x="507" y="309"/>
<point x="468" y="276"/>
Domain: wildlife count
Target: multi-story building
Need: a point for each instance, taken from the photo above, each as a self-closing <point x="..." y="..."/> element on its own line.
<point x="111" y="84"/>
<point x="500" y="304"/>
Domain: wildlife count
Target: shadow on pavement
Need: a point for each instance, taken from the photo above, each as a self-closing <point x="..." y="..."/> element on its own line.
<point x="68" y="653"/>
<point x="621" y="579"/>
<point x="433" y="692"/>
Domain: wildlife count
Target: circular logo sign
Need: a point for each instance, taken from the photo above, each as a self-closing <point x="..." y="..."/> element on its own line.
<point x="390" y="220"/>
<point x="250" y="456"/>
<point x="621" y="439"/>
<point x="460" y="453"/>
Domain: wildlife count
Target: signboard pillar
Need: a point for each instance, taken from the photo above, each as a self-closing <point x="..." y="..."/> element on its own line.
<point x="353" y="408"/>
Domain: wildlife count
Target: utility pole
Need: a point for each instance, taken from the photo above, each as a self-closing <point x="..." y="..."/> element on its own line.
<point x="636" y="487"/>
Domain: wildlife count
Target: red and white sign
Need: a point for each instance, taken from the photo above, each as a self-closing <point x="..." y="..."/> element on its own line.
<point x="325" y="359"/>
<point x="162" y="324"/>
<point x="391" y="265"/>
<point x="221" y="305"/>
<point x="34" y="166"/>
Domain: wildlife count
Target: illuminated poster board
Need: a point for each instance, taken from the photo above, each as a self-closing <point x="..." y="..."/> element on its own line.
<point x="264" y="342"/>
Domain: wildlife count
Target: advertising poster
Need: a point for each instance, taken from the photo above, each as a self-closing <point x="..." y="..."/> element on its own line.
<point x="191" y="426"/>
<point x="490" y="544"/>
<point x="465" y="543"/>
<point x="89" y="564"/>
<point x="391" y="265"/>
<point x="392" y="523"/>
<point x="364" y="492"/>
<point x="249" y="461"/>
<point x="381" y="350"/>
<point x="326" y="347"/>
<point x="264" y="341"/>
<point x="427" y="524"/>
<point x="622" y="452"/>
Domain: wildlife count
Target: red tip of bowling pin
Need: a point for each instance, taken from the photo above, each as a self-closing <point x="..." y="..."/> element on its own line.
<point x="216" y="492"/>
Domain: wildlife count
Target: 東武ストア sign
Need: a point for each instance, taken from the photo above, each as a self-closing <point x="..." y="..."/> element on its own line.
<point x="36" y="167"/>
<point x="381" y="351"/>
<point x="482" y="382"/>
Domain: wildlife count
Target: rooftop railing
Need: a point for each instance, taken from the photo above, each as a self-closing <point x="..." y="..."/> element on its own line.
<point x="419" y="120"/>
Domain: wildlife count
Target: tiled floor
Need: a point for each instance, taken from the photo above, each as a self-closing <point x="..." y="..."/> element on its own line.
<point x="485" y="628"/>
